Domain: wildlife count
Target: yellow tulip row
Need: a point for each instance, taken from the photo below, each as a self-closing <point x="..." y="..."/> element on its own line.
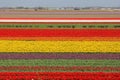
<point x="59" y="46"/>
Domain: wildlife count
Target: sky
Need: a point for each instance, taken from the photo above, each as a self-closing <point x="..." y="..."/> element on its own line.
<point x="60" y="3"/>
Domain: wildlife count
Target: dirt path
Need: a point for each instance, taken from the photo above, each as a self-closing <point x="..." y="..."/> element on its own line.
<point x="62" y="14"/>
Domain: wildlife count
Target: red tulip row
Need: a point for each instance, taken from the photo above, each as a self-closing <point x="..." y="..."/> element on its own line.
<point x="59" y="76"/>
<point x="59" y="32"/>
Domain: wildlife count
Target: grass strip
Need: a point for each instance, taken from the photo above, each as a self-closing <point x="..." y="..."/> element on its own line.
<point x="61" y="26"/>
<point x="59" y="62"/>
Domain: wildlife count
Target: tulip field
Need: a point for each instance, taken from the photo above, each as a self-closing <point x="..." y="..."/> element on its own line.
<point x="60" y="49"/>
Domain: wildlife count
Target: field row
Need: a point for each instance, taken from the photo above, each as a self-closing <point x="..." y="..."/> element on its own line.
<point x="61" y="26"/>
<point x="58" y="69"/>
<point x="59" y="76"/>
<point x="59" y="62"/>
<point x="62" y="38"/>
<point x="59" y="32"/>
<point x="59" y="55"/>
<point x="59" y="46"/>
